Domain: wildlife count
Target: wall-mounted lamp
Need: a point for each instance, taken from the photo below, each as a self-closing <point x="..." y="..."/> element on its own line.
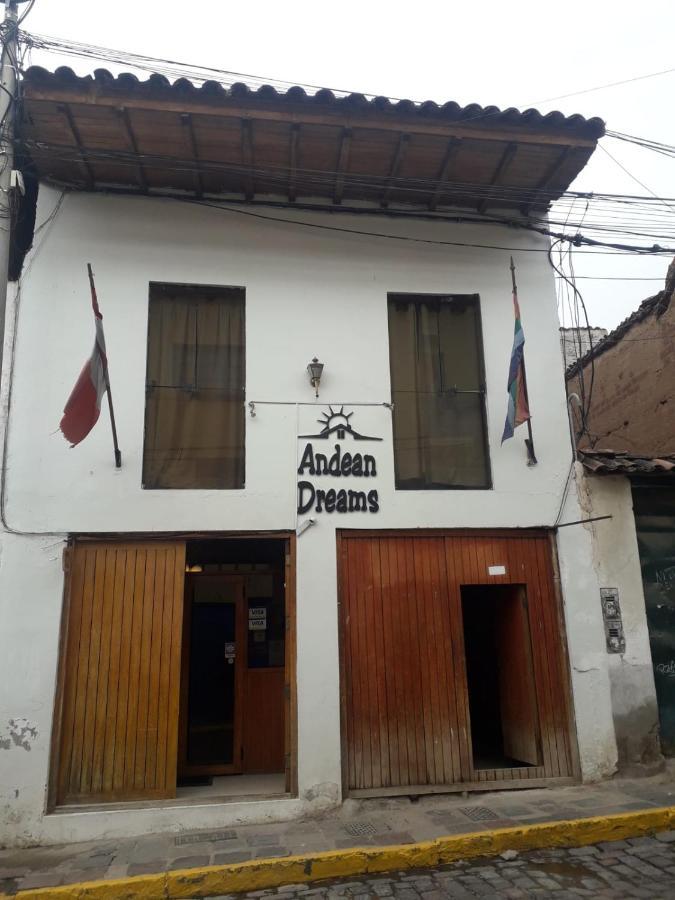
<point x="303" y="526"/>
<point x="315" y="368"/>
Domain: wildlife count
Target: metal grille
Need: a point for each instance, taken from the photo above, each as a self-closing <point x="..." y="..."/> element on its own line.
<point x="360" y="829"/>
<point x="205" y="837"/>
<point x="478" y="813"/>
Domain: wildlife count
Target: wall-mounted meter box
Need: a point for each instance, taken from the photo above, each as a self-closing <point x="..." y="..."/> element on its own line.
<point x="611" y="614"/>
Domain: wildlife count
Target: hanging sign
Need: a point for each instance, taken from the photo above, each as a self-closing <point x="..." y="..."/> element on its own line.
<point x="336" y="461"/>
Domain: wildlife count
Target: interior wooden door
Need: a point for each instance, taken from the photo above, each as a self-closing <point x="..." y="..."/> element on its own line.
<point x="213" y="671"/>
<point x="121" y="668"/>
<point x="517" y="693"/>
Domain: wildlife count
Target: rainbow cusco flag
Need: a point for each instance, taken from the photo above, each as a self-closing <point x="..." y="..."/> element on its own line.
<point x="518" y="409"/>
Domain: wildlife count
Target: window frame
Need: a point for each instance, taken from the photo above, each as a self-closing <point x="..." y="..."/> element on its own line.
<point x="411" y="297"/>
<point x="196" y="288"/>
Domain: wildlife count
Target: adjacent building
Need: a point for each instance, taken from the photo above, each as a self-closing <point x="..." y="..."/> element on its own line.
<point x="576" y="342"/>
<point x="627" y="447"/>
<point x="293" y="590"/>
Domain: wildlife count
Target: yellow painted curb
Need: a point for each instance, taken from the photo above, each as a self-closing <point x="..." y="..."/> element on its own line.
<point x="208" y="881"/>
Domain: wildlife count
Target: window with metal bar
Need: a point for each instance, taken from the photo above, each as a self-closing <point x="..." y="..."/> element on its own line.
<point x="194" y="411"/>
<point x="438" y="391"/>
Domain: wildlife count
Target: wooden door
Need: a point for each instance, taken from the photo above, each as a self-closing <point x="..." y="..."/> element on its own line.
<point x="265" y="680"/>
<point x="405" y="708"/>
<point x="213" y="671"/>
<point x="121" y="669"/>
<point x="404" y="718"/>
<point x="518" y="699"/>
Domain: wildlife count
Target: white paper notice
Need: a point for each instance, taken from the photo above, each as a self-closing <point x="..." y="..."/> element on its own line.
<point x="496" y="570"/>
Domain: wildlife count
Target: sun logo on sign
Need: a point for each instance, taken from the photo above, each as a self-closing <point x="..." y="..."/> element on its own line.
<point x="337" y="422"/>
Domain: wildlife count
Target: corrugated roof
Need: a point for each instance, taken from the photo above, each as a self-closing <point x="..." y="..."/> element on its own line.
<point x="610" y="462"/>
<point x="158" y="85"/>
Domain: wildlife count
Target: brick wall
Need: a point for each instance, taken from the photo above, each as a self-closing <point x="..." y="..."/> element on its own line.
<point x="633" y="395"/>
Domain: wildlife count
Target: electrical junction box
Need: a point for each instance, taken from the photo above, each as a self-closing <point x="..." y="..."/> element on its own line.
<point x="611" y="615"/>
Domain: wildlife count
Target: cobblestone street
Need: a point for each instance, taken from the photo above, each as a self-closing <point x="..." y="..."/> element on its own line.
<point x="640" y="867"/>
<point x="637" y="867"/>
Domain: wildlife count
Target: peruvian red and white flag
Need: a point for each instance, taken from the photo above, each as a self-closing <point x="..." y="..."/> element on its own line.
<point x="84" y="404"/>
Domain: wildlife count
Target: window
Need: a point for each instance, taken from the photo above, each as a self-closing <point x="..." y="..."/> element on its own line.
<point x="194" y="410"/>
<point x="438" y="391"/>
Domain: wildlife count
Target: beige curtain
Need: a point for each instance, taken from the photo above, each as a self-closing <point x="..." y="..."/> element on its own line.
<point x="194" y="414"/>
<point x="435" y="355"/>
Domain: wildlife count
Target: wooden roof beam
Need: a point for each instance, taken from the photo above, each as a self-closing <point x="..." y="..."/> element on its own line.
<point x="503" y="166"/>
<point x="545" y="182"/>
<point x="337" y="117"/>
<point x="442" y="178"/>
<point x="342" y="163"/>
<point x="247" y="156"/>
<point x="124" y="116"/>
<point x="293" y="166"/>
<point x="186" y="121"/>
<point x="87" y="170"/>
<point x="395" y="168"/>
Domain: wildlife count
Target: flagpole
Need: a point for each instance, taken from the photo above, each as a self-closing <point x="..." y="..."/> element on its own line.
<point x="116" y="448"/>
<point x="529" y="440"/>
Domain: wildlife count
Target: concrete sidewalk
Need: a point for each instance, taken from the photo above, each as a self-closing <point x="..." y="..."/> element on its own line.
<point x="358" y="824"/>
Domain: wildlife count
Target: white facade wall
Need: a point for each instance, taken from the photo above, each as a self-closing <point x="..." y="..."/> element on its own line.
<point x="308" y="292"/>
<point x="617" y="563"/>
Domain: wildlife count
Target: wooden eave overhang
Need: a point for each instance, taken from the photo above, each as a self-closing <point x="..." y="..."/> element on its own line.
<point x="115" y="132"/>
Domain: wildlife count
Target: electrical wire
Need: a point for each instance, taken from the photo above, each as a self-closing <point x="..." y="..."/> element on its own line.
<point x="177" y="69"/>
<point x="278" y="178"/>
<point x="641" y="224"/>
<point x="635" y="179"/>
<point x="161" y="65"/>
<point x="25" y="13"/>
<point x="565" y="492"/>
<point x="396" y="237"/>
<point x="629" y="215"/>
<point x="205" y="73"/>
<point x="646" y="143"/>
<point x="613" y="278"/>
<point x="602" y="87"/>
<point x="578" y="301"/>
<point x="634" y="228"/>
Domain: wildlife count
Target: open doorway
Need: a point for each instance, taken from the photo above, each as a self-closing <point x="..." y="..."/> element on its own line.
<point x="233" y="731"/>
<point x="503" y="709"/>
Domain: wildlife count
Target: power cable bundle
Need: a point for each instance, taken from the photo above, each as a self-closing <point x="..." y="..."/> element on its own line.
<point x="619" y="223"/>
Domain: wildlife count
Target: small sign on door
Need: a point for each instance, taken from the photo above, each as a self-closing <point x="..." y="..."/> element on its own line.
<point x="257" y="618"/>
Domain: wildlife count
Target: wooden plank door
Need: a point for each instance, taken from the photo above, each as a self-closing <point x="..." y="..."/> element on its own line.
<point x="404" y="719"/>
<point x="518" y="699"/>
<point x="120" y="672"/>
